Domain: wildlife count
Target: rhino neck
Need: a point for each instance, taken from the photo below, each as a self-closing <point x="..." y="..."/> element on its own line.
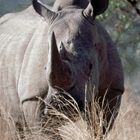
<point x="60" y="4"/>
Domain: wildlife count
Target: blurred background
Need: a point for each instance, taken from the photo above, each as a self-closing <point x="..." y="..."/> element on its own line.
<point x="122" y="21"/>
<point x="7" y="6"/>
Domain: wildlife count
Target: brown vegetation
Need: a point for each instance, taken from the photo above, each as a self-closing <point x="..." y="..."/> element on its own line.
<point x="126" y="126"/>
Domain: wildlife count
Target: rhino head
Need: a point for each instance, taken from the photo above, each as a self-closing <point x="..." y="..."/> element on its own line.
<point x="72" y="57"/>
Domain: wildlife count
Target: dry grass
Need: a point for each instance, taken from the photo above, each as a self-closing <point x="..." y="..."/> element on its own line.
<point x="73" y="127"/>
<point x="127" y="125"/>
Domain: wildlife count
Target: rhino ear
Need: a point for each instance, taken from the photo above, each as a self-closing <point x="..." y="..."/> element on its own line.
<point x="89" y="10"/>
<point x="43" y="10"/>
<point x="99" y="6"/>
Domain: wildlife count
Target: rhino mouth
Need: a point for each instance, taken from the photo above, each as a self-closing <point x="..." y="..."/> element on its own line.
<point x="62" y="102"/>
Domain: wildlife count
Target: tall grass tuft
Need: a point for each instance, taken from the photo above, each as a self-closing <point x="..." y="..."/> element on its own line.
<point x="66" y="122"/>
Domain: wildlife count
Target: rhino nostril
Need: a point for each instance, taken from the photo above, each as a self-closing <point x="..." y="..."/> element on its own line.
<point x="90" y="66"/>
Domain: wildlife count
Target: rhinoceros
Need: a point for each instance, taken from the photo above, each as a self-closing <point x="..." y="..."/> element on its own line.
<point x="43" y="50"/>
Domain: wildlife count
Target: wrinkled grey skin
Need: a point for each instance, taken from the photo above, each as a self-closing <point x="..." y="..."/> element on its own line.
<point x="63" y="52"/>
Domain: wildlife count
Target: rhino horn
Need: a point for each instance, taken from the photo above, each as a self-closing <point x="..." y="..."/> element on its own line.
<point x="58" y="71"/>
<point x="89" y="10"/>
<point x="44" y="10"/>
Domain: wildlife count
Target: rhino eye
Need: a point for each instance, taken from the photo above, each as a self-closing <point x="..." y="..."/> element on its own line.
<point x="68" y="42"/>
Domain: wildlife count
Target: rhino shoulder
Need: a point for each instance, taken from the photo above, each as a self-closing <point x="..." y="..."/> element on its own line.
<point x="111" y="58"/>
